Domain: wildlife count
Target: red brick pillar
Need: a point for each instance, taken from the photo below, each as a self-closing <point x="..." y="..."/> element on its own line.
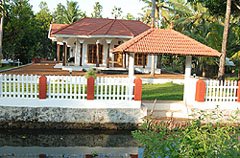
<point x="238" y="92"/>
<point x="90" y="88"/>
<point x="43" y="87"/>
<point x="200" y="91"/>
<point x="138" y="89"/>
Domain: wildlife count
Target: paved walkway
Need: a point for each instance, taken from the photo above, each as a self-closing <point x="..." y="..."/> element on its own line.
<point x="167" y="109"/>
<point x="48" y="69"/>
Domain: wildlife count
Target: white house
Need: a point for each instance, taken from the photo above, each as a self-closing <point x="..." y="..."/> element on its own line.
<point x="90" y="41"/>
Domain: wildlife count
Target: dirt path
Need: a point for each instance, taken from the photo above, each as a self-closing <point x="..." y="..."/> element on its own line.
<point x="48" y="69"/>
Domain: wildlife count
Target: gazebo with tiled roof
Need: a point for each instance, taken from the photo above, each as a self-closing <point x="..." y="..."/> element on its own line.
<point x="165" y="41"/>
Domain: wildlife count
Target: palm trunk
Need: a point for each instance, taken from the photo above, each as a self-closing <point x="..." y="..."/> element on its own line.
<point x="153" y="26"/>
<point x="221" y="71"/>
<point x="1" y="35"/>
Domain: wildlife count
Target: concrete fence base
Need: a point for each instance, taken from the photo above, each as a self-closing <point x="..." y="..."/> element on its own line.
<point x="69" y="118"/>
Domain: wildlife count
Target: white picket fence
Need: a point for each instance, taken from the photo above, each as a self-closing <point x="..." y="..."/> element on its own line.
<point x="19" y="86"/>
<point x="114" y="88"/>
<point x="221" y="91"/>
<point x="65" y="87"/>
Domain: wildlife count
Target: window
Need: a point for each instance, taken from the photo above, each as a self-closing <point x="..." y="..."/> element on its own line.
<point x="92" y="53"/>
<point x="139" y="59"/>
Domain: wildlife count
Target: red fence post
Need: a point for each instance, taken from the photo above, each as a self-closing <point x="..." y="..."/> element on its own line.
<point x="90" y="88"/>
<point x="138" y="89"/>
<point x="43" y="87"/>
<point x="200" y="91"/>
<point x="238" y="92"/>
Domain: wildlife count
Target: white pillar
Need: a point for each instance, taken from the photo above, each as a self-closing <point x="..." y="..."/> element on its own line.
<point x="108" y="41"/>
<point x="81" y="57"/>
<point x="153" y="65"/>
<point x="131" y="66"/>
<point x="188" y="87"/>
<point x="188" y="66"/>
<point x="76" y="55"/>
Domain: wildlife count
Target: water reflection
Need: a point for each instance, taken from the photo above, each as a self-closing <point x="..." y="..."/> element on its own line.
<point x="66" y="143"/>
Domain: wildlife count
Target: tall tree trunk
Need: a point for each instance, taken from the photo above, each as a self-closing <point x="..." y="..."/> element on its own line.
<point x="221" y="71"/>
<point x="153" y="26"/>
<point x="1" y="34"/>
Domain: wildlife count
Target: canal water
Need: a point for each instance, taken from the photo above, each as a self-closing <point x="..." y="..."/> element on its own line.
<point x="67" y="144"/>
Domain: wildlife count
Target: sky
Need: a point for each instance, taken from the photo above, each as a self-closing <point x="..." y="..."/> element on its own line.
<point x="128" y="6"/>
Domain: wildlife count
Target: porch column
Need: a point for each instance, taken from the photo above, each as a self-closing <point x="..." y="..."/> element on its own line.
<point x="76" y="53"/>
<point x="63" y="54"/>
<point x="97" y="53"/>
<point x="66" y="52"/>
<point x="108" y="51"/>
<point x="58" y="52"/>
<point x="81" y="51"/>
<point x="188" y="87"/>
<point x="153" y="65"/>
<point x="131" y="65"/>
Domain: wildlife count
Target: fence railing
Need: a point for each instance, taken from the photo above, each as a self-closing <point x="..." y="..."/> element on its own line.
<point x="66" y="87"/>
<point x="221" y="91"/>
<point x="19" y="86"/>
<point x="114" y="88"/>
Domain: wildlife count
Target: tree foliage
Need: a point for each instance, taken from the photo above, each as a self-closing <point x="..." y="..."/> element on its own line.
<point x="97" y="10"/>
<point x="43" y="19"/>
<point x="19" y="31"/>
<point x="218" y="7"/>
<point x="69" y="14"/>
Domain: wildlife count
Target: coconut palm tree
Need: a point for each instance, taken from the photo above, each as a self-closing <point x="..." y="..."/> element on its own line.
<point x="68" y="14"/>
<point x="221" y="70"/>
<point x="72" y="12"/>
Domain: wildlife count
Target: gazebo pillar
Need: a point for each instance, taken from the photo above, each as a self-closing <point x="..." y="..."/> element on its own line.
<point x="188" y="67"/>
<point x="153" y="65"/>
<point x="131" y="65"/>
<point x="187" y="83"/>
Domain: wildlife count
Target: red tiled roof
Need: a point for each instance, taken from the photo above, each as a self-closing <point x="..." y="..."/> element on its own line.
<point x="162" y="41"/>
<point x="102" y="26"/>
<point x="56" y="27"/>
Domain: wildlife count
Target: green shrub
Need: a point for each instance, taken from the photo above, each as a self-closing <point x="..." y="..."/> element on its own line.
<point x="91" y="73"/>
<point x="195" y="140"/>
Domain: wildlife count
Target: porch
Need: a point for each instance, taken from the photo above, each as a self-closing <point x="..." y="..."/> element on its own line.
<point x="82" y="54"/>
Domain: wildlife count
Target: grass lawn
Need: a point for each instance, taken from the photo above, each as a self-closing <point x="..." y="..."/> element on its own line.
<point x="167" y="91"/>
<point x="6" y="67"/>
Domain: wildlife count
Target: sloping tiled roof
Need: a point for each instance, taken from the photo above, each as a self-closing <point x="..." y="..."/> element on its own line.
<point x="56" y="27"/>
<point x="161" y="41"/>
<point x="102" y="26"/>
